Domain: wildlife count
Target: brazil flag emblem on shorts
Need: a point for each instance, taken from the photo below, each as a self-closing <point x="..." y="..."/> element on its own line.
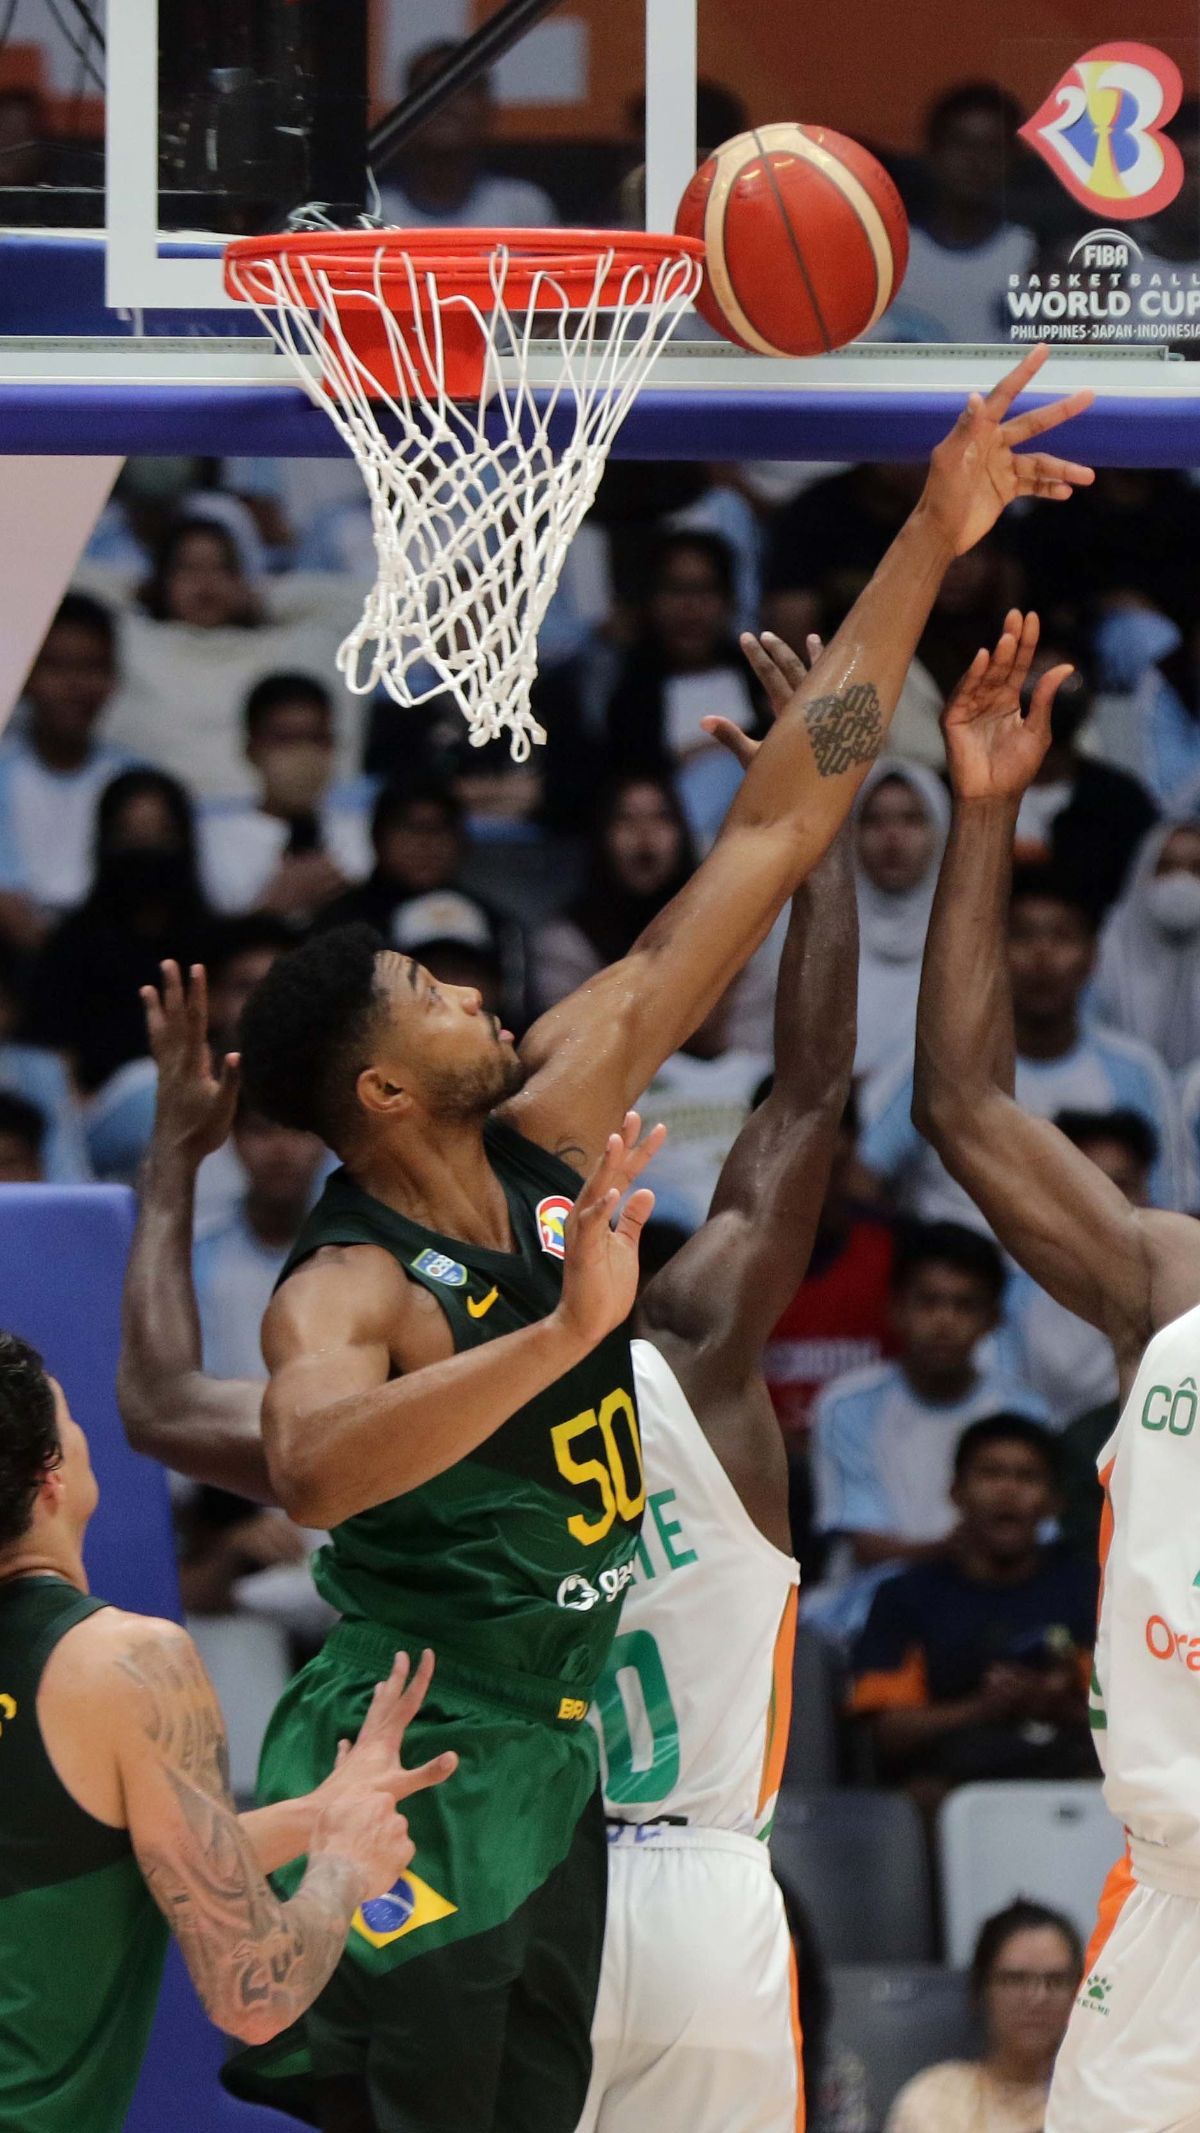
<point x="409" y="1903"/>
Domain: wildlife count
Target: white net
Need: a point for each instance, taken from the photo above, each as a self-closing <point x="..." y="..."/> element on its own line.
<point x="474" y="502"/>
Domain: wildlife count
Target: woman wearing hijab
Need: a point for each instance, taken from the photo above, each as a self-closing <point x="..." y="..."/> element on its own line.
<point x="1148" y="974"/>
<point x="901" y="823"/>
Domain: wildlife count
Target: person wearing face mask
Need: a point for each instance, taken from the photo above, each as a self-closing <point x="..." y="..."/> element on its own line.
<point x="303" y="840"/>
<point x="901" y="822"/>
<point x="1148" y="975"/>
<point x="145" y="902"/>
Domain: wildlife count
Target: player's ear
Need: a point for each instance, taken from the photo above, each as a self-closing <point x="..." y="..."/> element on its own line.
<point x="380" y="1097"/>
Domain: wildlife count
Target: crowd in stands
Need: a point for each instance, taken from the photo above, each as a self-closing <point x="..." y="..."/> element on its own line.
<point x="184" y="776"/>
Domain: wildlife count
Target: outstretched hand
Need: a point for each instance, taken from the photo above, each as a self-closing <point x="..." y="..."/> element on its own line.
<point x="993" y="751"/>
<point x="195" y="1105"/>
<point x="781" y="672"/>
<point x="977" y="470"/>
<point x="376" y="1756"/>
<point x="600" y="1270"/>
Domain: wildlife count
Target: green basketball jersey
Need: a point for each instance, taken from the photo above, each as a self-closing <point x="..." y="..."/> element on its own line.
<point x="512" y="1561"/>
<point x="82" y="1941"/>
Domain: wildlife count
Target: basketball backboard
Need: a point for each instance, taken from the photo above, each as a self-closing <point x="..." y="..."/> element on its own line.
<point x="1056" y="196"/>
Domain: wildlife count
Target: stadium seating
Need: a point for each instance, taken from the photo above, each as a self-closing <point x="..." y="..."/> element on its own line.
<point x="62" y="1259"/>
<point x="897" y="2019"/>
<point x="857" y="1863"/>
<point x="1054" y="1842"/>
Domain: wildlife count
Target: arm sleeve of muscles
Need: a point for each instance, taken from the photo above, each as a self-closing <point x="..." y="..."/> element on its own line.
<point x="595" y="1052"/>
<point x="256" y="1963"/>
<point x="730" y="1282"/>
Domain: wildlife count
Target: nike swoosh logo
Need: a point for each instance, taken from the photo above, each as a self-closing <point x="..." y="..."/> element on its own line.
<point x="478" y="1310"/>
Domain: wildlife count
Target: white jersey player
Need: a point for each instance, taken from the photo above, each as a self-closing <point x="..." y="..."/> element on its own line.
<point x="696" y="2027"/>
<point x="1131" y="2059"/>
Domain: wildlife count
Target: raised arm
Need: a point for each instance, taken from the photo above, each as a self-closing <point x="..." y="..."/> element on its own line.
<point x="1125" y="1270"/>
<point x="207" y="1428"/>
<point x="596" y="1051"/>
<point x="140" y="1692"/>
<point x="343" y="1433"/>
<point x="729" y="1284"/>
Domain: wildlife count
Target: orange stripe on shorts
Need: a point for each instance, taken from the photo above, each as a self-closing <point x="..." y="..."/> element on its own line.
<point x="1113" y="1898"/>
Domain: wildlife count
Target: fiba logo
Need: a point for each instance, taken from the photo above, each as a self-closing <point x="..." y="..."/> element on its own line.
<point x="1110" y="249"/>
<point x="1100" y="129"/>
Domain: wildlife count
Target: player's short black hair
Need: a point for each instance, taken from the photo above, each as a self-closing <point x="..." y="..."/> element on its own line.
<point x="305" y="1028"/>
<point x="1021" y="1916"/>
<point x="1127" y="1127"/>
<point x="284" y="688"/>
<point x="967" y="97"/>
<point x="1043" y="882"/>
<point x="952" y="1244"/>
<point x="29" y="1444"/>
<point x="78" y="611"/>
<point x="25" y="1121"/>
<point x="1008" y="1429"/>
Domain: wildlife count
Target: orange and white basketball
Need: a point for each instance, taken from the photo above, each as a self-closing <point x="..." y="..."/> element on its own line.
<point x="806" y="239"/>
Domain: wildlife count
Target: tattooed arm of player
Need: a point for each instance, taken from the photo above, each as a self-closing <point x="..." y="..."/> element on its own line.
<point x="594" y="1054"/>
<point x="256" y="1962"/>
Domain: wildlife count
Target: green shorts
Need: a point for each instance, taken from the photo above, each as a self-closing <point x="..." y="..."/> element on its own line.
<point x="464" y="2001"/>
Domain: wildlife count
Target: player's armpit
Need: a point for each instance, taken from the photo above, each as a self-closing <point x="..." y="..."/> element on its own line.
<point x="256" y="1963"/>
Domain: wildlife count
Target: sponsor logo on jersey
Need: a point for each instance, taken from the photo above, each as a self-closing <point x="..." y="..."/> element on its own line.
<point x="8" y="1710"/>
<point x="552" y="1215"/>
<point x="572" y="1709"/>
<point x="1100" y="130"/>
<point x="408" y="1904"/>
<point x="1172" y="1407"/>
<point x="438" y="1268"/>
<point x="1163" y="1642"/>
<point x="1094" y="1997"/>
<point x="479" y="1307"/>
<point x="579" y="1592"/>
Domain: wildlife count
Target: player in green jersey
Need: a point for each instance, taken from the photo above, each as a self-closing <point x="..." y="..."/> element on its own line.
<point x="115" y="1816"/>
<point x="465" y="1426"/>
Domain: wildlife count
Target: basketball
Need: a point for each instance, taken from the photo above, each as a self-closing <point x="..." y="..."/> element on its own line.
<point x="806" y="239"/>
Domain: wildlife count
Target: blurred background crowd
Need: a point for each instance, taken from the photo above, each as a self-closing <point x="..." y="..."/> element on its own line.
<point x="185" y="776"/>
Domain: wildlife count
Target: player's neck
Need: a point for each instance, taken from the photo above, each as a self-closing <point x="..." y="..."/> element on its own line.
<point x="441" y="1178"/>
<point x="36" y="1556"/>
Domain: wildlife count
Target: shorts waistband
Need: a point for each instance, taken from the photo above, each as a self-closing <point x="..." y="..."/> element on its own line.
<point x="678" y="1837"/>
<point x="524" y="1695"/>
<point x="1158" y="1866"/>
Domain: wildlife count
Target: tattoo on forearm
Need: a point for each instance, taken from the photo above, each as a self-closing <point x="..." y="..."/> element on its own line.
<point x="845" y="729"/>
<point x="247" y="1952"/>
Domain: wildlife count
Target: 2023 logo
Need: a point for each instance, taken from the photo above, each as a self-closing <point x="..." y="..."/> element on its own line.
<point x="1100" y="130"/>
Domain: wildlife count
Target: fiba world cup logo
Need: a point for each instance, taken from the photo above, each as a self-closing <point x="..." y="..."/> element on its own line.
<point x="1100" y="130"/>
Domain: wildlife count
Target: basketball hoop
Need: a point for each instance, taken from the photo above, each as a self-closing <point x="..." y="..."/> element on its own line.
<point x="417" y="345"/>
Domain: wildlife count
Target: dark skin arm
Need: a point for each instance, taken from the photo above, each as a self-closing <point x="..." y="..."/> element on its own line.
<point x="596" y="1051"/>
<point x="207" y="1428"/>
<point x="1124" y="1269"/>
<point x="711" y="1310"/>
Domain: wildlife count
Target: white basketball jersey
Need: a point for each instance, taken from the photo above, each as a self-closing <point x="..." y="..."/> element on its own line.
<point x="1146" y="1687"/>
<point x="694" y="1707"/>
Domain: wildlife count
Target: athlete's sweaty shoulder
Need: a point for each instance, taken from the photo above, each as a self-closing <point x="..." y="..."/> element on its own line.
<point x="92" y="1695"/>
<point x="352" y="1296"/>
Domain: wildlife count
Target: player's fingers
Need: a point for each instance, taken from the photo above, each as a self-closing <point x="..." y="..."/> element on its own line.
<point x="1045" y="467"/>
<point x="343" y="1750"/>
<point x="385" y="1699"/>
<point x="774" y="681"/>
<point x="230" y="1073"/>
<point x="415" y="1690"/>
<point x="1042" y="702"/>
<point x="148" y="995"/>
<point x="644" y="1153"/>
<point x="788" y="662"/>
<point x="1013" y="384"/>
<point x="172" y="988"/>
<point x="1005" y="652"/>
<point x="814" y="647"/>
<point x="731" y="737"/>
<point x="434" y="1772"/>
<point x="1027" y="642"/>
<point x="635" y="1214"/>
<point x="1037" y="420"/>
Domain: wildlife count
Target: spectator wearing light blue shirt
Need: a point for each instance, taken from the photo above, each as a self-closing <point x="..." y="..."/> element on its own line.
<point x="53" y="770"/>
<point x="1063" y="1063"/>
<point x="237" y="1264"/>
<point x="884" y="1437"/>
